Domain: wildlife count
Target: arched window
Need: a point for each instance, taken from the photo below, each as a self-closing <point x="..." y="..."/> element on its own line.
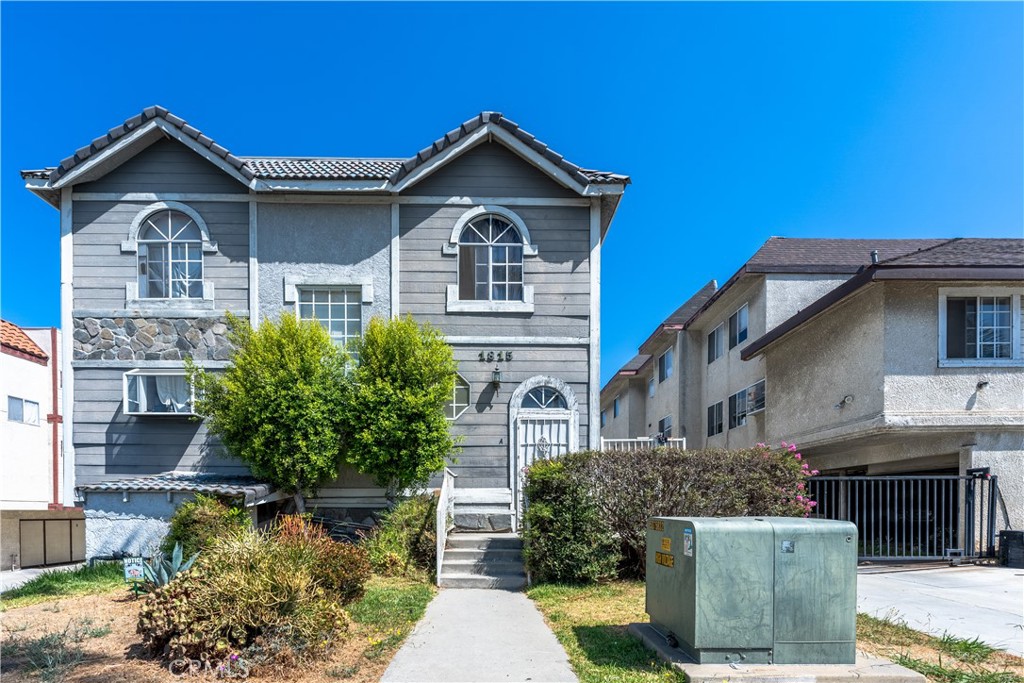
<point x="170" y="257"/>
<point x="544" y="398"/>
<point x="490" y="260"/>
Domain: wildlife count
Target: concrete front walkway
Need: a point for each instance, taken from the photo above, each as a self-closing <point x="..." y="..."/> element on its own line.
<point x="480" y="636"/>
<point x="968" y="602"/>
<point x="10" y="580"/>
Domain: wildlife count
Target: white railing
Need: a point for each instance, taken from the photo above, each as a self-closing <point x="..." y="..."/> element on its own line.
<point x="445" y="517"/>
<point x="641" y="443"/>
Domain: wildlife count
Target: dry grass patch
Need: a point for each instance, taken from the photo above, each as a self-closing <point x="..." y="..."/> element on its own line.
<point x="93" y="639"/>
<point x="947" y="659"/>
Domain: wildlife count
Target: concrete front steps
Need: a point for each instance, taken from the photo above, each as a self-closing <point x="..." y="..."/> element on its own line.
<point x="483" y="560"/>
<point x="483" y="510"/>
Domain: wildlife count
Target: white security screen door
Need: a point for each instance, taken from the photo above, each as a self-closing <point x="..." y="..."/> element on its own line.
<point x="543" y="430"/>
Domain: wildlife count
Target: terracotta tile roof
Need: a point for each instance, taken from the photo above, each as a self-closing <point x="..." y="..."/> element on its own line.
<point x="322" y="168"/>
<point x="235" y="487"/>
<point x="13" y="337"/>
<point x="966" y="252"/>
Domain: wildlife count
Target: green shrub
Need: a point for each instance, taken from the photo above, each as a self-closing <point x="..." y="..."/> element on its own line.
<point x="565" y="540"/>
<point x="272" y="596"/>
<point x="393" y="413"/>
<point x="196" y="523"/>
<point x="405" y="538"/>
<point x="621" y="490"/>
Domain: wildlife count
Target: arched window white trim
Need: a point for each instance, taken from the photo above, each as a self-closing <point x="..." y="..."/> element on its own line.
<point x="131" y="245"/>
<point x="454" y="302"/>
<point x="452" y="247"/>
<point x="201" y="300"/>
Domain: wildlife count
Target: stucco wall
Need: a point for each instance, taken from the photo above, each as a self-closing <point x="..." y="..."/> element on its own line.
<point x="1003" y="452"/>
<point x="788" y="293"/>
<point x="27" y="481"/>
<point x="324" y="244"/>
<point x="810" y="371"/>
<point x="916" y="385"/>
<point x="135" y="527"/>
<point x="666" y="394"/>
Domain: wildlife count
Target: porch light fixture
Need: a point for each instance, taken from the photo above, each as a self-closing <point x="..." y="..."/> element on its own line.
<point x="496" y="378"/>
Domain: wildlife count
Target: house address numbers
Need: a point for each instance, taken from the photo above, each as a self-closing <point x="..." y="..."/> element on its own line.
<point x="495" y="356"/>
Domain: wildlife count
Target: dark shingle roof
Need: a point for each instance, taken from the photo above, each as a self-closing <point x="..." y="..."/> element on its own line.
<point x="834" y="255"/>
<point x="966" y="252"/>
<point x="323" y="169"/>
<point x="186" y="482"/>
<point x="306" y="168"/>
<point x="582" y="176"/>
<point x="635" y="363"/>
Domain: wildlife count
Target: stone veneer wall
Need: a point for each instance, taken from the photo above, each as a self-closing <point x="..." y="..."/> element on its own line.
<point x="151" y="339"/>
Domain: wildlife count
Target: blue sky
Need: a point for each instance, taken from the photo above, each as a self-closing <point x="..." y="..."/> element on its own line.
<point x="736" y="121"/>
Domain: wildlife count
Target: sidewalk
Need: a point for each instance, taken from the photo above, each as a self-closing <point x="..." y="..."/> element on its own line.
<point x="480" y="636"/>
<point x="10" y="580"/>
<point x="969" y="602"/>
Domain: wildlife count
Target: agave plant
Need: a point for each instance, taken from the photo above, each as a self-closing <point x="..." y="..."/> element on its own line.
<point x="160" y="572"/>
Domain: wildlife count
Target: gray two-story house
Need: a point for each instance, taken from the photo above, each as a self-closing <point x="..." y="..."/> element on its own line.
<point x="487" y="234"/>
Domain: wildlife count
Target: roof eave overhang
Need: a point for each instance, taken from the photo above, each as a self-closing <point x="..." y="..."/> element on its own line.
<point x="41" y="188"/>
<point x="878" y="274"/>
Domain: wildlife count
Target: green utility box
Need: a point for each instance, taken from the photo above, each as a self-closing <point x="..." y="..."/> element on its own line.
<point x="762" y="590"/>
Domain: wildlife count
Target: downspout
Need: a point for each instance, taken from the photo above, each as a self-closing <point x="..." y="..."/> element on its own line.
<point x="55" y="419"/>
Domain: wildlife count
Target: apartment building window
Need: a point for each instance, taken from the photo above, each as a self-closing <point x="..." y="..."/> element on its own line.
<point x="460" y="399"/>
<point x="738" y="409"/>
<point x="665" y="427"/>
<point x="170" y="251"/>
<point x="615" y="407"/>
<point x="716" y="343"/>
<point x="338" y="309"/>
<point x="490" y="261"/>
<point x="22" y="410"/>
<point x="715" y="419"/>
<point x="664" y="366"/>
<point x="738" y="326"/>
<point x="980" y="327"/>
<point x="604" y="418"/>
<point x="755" y="398"/>
<point x="650" y="388"/>
<point x="157" y="392"/>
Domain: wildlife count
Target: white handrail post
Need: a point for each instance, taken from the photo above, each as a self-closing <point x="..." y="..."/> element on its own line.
<point x="445" y="509"/>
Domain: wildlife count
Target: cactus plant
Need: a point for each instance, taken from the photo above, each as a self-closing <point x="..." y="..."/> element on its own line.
<point x="160" y="572"/>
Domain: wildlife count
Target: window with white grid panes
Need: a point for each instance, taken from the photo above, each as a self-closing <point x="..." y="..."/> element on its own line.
<point x="490" y="261"/>
<point x="170" y="257"/>
<point x="338" y="309"/>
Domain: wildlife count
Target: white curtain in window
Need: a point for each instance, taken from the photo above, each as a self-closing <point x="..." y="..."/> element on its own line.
<point x="173" y="391"/>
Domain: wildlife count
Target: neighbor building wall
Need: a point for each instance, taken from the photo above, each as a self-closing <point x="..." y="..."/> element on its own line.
<point x="27" y="481"/>
<point x="812" y="370"/>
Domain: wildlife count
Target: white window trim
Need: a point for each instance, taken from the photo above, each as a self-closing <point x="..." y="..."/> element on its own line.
<point x="463" y="411"/>
<point x="452" y="247"/>
<point x="39" y="412"/>
<point x="1016" y="359"/>
<point x="293" y="283"/>
<point x="452" y="302"/>
<point x="319" y="284"/>
<point x="131" y="245"/>
<point x="455" y="305"/>
<point x="178" y="372"/>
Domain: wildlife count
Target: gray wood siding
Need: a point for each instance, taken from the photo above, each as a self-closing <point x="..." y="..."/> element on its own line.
<point x="165" y="166"/>
<point x="489" y="170"/>
<point x="101" y="270"/>
<point x="484" y="459"/>
<point x="560" y="273"/>
<point x="110" y="444"/>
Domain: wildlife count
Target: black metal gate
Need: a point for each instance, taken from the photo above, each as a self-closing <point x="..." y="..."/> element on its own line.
<point x="914" y="517"/>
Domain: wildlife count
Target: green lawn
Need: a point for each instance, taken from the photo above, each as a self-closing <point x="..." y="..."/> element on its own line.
<point x="99" y="578"/>
<point x="591" y="621"/>
<point x="389" y="610"/>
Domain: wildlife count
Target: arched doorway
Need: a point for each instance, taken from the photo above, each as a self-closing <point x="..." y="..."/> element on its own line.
<point x="544" y="423"/>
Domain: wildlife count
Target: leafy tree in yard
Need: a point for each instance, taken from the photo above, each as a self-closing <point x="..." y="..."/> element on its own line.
<point x="394" y="415"/>
<point x="279" y="403"/>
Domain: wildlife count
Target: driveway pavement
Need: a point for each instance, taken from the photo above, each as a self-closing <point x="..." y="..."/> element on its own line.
<point x="10" y="580"/>
<point x="969" y="601"/>
<point x="480" y="636"/>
